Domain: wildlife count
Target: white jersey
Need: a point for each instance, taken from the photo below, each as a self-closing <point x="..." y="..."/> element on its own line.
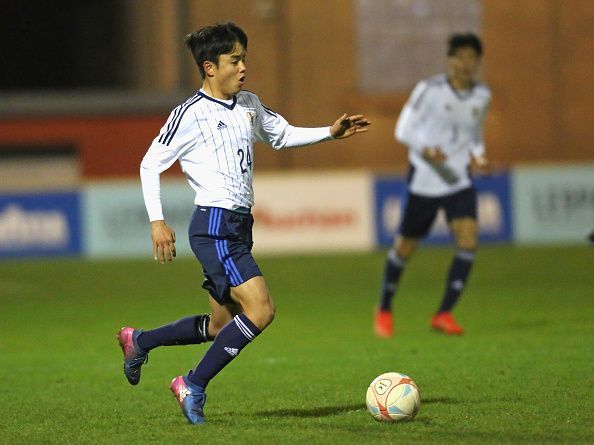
<point x="436" y="115"/>
<point x="213" y="140"/>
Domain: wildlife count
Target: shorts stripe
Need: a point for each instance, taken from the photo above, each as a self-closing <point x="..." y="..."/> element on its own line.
<point x="230" y="267"/>
<point x="222" y="242"/>
<point x="210" y="218"/>
<point x="214" y="226"/>
<point x="221" y="256"/>
<point x="232" y="263"/>
<point x="232" y="274"/>
<point x="218" y="221"/>
<point x="214" y="221"/>
<point x="243" y="328"/>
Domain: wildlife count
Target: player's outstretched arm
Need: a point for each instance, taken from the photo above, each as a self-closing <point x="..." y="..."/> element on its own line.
<point x="347" y="126"/>
<point x="163" y="241"/>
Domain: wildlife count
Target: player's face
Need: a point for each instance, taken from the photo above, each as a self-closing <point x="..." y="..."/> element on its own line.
<point x="463" y="66"/>
<point x="229" y="75"/>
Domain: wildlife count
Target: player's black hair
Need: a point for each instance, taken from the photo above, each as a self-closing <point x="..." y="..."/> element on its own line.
<point x="467" y="40"/>
<point x="210" y="42"/>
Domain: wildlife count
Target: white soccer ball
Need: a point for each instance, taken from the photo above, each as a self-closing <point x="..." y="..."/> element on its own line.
<point x="393" y="397"/>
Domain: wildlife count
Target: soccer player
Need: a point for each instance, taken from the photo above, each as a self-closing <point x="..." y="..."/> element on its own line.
<point x="211" y="135"/>
<point x="442" y="126"/>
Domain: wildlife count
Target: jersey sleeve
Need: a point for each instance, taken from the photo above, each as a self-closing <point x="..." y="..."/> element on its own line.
<point x="408" y="128"/>
<point x="173" y="140"/>
<point x="274" y="130"/>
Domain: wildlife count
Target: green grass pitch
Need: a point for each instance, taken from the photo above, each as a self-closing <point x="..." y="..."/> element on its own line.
<point x="523" y="373"/>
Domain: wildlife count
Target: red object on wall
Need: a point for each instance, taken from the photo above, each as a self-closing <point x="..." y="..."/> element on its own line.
<point x="108" y="147"/>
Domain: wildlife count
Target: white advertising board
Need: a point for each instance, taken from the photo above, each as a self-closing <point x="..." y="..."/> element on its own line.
<point x="553" y="204"/>
<point x="116" y="223"/>
<point x="313" y="212"/>
<point x="293" y="213"/>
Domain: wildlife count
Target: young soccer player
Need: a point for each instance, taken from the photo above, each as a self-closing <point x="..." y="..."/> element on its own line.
<point x="212" y="135"/>
<point x="442" y="126"/>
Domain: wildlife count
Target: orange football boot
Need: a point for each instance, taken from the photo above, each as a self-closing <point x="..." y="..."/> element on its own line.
<point x="384" y="325"/>
<point x="444" y="321"/>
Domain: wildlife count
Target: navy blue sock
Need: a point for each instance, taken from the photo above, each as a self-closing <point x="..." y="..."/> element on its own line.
<point x="187" y="331"/>
<point x="393" y="270"/>
<point x="457" y="276"/>
<point x="228" y="343"/>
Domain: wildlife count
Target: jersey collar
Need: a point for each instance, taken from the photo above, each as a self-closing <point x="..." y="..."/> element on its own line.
<point x="462" y="96"/>
<point x="227" y="104"/>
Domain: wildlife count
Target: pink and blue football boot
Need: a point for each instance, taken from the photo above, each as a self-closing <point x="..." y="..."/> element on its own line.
<point x="134" y="356"/>
<point x="191" y="399"/>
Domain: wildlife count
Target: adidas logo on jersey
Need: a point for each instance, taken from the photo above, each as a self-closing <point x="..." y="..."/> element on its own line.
<point x="221" y="125"/>
<point x="232" y="351"/>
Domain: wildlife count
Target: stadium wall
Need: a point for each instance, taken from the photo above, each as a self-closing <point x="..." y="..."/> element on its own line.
<point x="305" y="66"/>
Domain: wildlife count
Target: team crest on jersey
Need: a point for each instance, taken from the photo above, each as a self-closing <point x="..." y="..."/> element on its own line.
<point x="250" y="115"/>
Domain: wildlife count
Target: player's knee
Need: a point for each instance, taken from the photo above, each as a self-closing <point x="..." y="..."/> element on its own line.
<point x="268" y="313"/>
<point x="467" y="244"/>
<point x="262" y="315"/>
<point x="465" y="233"/>
<point x="405" y="253"/>
<point x="405" y="247"/>
<point x="467" y="241"/>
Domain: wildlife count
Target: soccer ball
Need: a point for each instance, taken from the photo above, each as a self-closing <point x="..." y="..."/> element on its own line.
<point x="393" y="397"/>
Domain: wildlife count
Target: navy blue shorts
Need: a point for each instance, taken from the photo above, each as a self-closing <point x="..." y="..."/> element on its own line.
<point x="221" y="239"/>
<point x="421" y="211"/>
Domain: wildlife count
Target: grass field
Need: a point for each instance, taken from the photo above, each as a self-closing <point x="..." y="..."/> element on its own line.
<point x="523" y="373"/>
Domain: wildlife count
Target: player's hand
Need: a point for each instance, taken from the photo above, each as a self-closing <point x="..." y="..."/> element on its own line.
<point x="482" y="165"/>
<point x="163" y="241"/>
<point x="436" y="158"/>
<point x="434" y="155"/>
<point x="346" y="126"/>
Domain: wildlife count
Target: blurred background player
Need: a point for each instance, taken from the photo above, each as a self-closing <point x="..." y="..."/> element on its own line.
<point x="442" y="126"/>
<point x="212" y="136"/>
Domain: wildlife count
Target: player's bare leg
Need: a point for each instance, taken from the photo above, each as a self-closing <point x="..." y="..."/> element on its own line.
<point x="254" y="298"/>
<point x="404" y="247"/>
<point x="220" y="315"/>
<point x="465" y="231"/>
